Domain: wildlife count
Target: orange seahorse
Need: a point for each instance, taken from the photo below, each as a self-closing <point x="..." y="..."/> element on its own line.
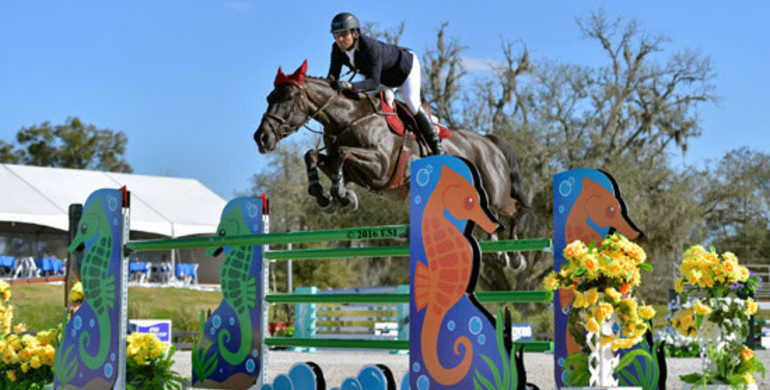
<point x="603" y="208"/>
<point x="440" y="285"/>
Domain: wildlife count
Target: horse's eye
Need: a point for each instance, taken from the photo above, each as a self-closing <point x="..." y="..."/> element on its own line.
<point x="83" y="228"/>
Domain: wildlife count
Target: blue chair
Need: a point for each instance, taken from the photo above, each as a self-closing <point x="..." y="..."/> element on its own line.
<point x="7" y="265"/>
<point x="188" y="273"/>
<point x="139" y="272"/>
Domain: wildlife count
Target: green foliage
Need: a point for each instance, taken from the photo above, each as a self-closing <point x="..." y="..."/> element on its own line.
<point x="69" y="145"/>
<point x="508" y="377"/>
<point x="156" y="374"/>
<point x="578" y="374"/>
<point x="203" y="368"/>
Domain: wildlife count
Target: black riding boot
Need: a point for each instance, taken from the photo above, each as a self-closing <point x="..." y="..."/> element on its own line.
<point x="428" y="131"/>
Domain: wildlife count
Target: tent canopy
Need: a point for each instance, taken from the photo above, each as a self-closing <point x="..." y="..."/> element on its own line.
<point x="167" y="206"/>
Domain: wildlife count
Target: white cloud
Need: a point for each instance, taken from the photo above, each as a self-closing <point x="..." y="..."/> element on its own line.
<point x="477" y="65"/>
<point x="238" y="6"/>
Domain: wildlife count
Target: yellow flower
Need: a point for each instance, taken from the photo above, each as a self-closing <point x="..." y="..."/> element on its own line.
<point x="35" y="362"/>
<point x="576" y="249"/>
<point x="606" y="340"/>
<point x="593" y="326"/>
<point x="728" y="267"/>
<point x="612" y="293"/>
<point x="747" y="354"/>
<point x="701" y="309"/>
<point x="11" y="375"/>
<point x="551" y="282"/>
<point x="579" y="301"/>
<point x="592" y="296"/>
<point x="24" y="367"/>
<point x="647" y="312"/>
<point x="749" y="378"/>
<point x="20" y="328"/>
<point x="751" y="307"/>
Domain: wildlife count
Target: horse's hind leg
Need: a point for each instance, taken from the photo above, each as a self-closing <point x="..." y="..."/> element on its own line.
<point x="315" y="189"/>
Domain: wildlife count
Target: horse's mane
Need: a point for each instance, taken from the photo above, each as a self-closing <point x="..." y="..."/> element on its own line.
<point x="323" y="80"/>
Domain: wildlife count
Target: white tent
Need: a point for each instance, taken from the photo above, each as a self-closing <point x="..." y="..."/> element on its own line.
<point x="167" y="206"/>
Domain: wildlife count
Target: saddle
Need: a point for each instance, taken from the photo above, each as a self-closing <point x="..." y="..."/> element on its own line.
<point x="401" y="120"/>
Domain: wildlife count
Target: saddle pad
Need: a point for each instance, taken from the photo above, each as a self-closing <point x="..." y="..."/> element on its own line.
<point x="396" y="120"/>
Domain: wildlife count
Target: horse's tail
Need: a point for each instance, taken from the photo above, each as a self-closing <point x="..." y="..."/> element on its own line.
<point x="517" y="190"/>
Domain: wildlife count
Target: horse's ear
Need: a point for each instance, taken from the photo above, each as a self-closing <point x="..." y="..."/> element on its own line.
<point x="299" y="74"/>
<point x="280" y="78"/>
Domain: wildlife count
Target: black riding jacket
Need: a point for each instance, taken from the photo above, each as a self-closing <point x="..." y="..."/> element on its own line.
<point x="378" y="62"/>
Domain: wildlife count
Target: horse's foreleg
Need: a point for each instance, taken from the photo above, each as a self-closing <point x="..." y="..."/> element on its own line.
<point x="333" y="166"/>
<point x="315" y="189"/>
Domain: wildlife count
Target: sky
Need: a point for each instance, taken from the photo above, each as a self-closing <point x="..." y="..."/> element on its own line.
<point x="186" y="80"/>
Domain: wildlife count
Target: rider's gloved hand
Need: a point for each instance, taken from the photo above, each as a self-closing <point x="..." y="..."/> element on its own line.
<point x="340" y="85"/>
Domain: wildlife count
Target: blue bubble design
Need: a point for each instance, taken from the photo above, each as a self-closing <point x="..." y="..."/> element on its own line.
<point x="450" y="325"/>
<point x="251" y="209"/>
<point x="108" y="370"/>
<point x="91" y="323"/>
<point x="561" y="209"/>
<point x="112" y="357"/>
<point x="416" y="367"/>
<point x="423" y="383"/>
<point x="475" y="325"/>
<point x="213" y="331"/>
<point x="561" y="362"/>
<point x="232" y="321"/>
<point x="254" y="353"/>
<point x="423" y="176"/>
<point x="216" y="320"/>
<point x="417" y="199"/>
<point x="78" y="322"/>
<point x="250" y="365"/>
<point x="74" y="332"/>
<point x="112" y="203"/>
<point x="565" y="188"/>
<point x="482" y="339"/>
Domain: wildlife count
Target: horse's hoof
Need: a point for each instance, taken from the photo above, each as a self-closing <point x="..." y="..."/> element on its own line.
<point x="521" y="263"/>
<point x="352" y="201"/>
<point x="329" y="208"/>
<point x="503" y="260"/>
<point x="317" y="191"/>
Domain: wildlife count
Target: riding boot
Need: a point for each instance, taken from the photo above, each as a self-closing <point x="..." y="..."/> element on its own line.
<point x="428" y="132"/>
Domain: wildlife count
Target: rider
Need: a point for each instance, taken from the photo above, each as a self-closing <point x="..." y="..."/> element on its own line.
<point x="379" y="63"/>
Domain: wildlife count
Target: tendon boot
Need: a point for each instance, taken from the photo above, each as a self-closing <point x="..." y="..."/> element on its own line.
<point x="428" y="131"/>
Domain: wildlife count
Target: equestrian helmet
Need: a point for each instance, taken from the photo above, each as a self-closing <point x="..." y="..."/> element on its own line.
<point x="345" y="21"/>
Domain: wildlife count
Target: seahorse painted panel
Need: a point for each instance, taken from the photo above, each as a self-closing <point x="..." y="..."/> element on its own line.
<point x="587" y="207"/>
<point x="455" y="343"/>
<point x="87" y="355"/>
<point x="227" y="353"/>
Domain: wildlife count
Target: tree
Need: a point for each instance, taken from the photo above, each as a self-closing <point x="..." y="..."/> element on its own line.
<point x="736" y="200"/>
<point x="70" y="145"/>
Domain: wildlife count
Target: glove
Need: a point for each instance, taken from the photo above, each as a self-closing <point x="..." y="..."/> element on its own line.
<point x="340" y="85"/>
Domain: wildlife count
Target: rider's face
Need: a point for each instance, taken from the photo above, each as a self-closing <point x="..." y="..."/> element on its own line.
<point x="345" y="38"/>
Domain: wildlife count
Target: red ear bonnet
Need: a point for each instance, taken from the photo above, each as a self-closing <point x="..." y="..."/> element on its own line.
<point x="297" y="77"/>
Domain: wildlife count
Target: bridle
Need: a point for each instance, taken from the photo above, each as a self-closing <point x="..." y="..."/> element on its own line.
<point x="283" y="123"/>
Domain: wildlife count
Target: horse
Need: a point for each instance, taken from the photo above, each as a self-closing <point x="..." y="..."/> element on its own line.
<point x="360" y="148"/>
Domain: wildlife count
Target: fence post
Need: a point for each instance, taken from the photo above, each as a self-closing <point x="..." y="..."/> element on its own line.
<point x="402" y="310"/>
<point x="305" y="317"/>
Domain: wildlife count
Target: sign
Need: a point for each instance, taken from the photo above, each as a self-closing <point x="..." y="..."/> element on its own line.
<point x="386" y="329"/>
<point x="521" y="331"/>
<point x="162" y="328"/>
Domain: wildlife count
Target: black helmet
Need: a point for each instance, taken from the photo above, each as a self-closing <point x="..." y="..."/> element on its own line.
<point x="345" y="21"/>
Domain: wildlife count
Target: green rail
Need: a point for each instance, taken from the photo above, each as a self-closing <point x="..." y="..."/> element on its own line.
<point x="482" y="296"/>
<point x="529" y="346"/>
<point x="360" y="233"/>
<point x="528" y="244"/>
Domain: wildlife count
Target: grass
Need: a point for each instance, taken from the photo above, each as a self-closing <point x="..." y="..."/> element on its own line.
<point x="39" y="306"/>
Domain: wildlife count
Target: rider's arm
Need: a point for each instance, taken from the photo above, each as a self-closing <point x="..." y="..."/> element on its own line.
<point x="369" y="61"/>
